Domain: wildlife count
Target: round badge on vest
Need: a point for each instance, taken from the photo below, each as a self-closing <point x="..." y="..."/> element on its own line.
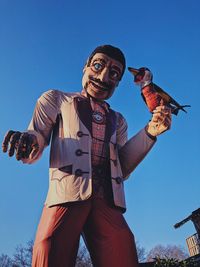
<point x="98" y="117"/>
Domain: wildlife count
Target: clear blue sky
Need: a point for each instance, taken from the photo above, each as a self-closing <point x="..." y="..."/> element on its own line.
<point x="44" y="44"/>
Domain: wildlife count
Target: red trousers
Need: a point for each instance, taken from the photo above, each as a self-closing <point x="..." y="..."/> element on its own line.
<point x="106" y="233"/>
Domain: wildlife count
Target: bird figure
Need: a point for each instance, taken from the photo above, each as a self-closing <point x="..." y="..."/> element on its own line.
<point x="152" y="94"/>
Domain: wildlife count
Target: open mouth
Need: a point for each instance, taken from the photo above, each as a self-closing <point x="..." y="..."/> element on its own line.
<point x="99" y="87"/>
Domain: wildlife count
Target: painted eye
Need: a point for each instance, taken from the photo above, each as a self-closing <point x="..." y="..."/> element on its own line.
<point x="114" y="74"/>
<point x="97" y="66"/>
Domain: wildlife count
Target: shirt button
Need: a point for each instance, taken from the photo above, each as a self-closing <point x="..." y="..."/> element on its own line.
<point x="79" y="133"/>
<point x="115" y="162"/>
<point x="78" y="152"/>
<point x="118" y="180"/>
<point x="78" y="172"/>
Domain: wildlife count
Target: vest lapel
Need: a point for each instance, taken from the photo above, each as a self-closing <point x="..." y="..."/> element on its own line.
<point x="84" y="111"/>
<point x="111" y="120"/>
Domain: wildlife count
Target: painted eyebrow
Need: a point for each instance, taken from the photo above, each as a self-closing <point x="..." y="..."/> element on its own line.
<point x="99" y="59"/>
<point x="104" y="62"/>
<point x="116" y="68"/>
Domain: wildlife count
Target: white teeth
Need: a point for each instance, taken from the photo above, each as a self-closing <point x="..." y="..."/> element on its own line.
<point x="98" y="86"/>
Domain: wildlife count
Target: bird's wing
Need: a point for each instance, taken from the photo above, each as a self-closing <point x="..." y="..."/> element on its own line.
<point x="143" y="98"/>
<point x="166" y="96"/>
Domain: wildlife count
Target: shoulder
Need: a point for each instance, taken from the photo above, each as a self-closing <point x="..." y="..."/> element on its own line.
<point x="119" y="116"/>
<point x="55" y="95"/>
<point x="120" y="119"/>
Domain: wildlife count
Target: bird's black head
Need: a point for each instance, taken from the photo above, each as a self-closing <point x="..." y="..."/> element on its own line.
<point x="141" y="73"/>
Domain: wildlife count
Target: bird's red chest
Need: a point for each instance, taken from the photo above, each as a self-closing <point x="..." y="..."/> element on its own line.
<point x="151" y="97"/>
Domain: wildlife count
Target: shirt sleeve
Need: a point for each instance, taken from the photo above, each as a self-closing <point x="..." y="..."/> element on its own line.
<point x="43" y="120"/>
<point x="134" y="151"/>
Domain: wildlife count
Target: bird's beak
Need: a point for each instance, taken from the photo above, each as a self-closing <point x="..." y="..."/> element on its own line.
<point x="133" y="71"/>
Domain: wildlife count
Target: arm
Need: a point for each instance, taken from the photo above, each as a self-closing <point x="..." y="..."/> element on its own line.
<point x="43" y="120"/>
<point x="134" y="151"/>
<point x="137" y="147"/>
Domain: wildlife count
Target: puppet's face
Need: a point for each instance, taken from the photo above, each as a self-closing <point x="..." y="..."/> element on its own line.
<point x="101" y="76"/>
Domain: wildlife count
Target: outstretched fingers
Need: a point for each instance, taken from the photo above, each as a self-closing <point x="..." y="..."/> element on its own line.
<point x="22" y="145"/>
<point x="28" y="146"/>
<point x="6" y="140"/>
<point x="34" y="146"/>
<point x="13" y="142"/>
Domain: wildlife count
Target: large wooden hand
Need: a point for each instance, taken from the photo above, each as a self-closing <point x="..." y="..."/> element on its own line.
<point x="22" y="144"/>
<point x="160" y="122"/>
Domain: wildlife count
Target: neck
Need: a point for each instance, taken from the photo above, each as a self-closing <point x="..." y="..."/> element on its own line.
<point x="84" y="93"/>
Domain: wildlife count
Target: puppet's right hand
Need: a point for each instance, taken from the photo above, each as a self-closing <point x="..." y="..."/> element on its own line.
<point x="22" y="144"/>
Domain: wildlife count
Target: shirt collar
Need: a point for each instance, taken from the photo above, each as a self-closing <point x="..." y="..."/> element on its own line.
<point x="103" y="103"/>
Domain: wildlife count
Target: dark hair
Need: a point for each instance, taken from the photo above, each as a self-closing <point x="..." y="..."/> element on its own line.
<point x="110" y="51"/>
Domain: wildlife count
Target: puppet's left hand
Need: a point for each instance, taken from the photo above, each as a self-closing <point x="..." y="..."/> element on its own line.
<point x="160" y="122"/>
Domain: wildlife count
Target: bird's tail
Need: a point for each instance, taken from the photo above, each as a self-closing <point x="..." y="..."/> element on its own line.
<point x="176" y="109"/>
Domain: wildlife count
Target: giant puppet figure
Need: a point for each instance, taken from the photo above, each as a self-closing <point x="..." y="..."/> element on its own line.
<point x="90" y="158"/>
